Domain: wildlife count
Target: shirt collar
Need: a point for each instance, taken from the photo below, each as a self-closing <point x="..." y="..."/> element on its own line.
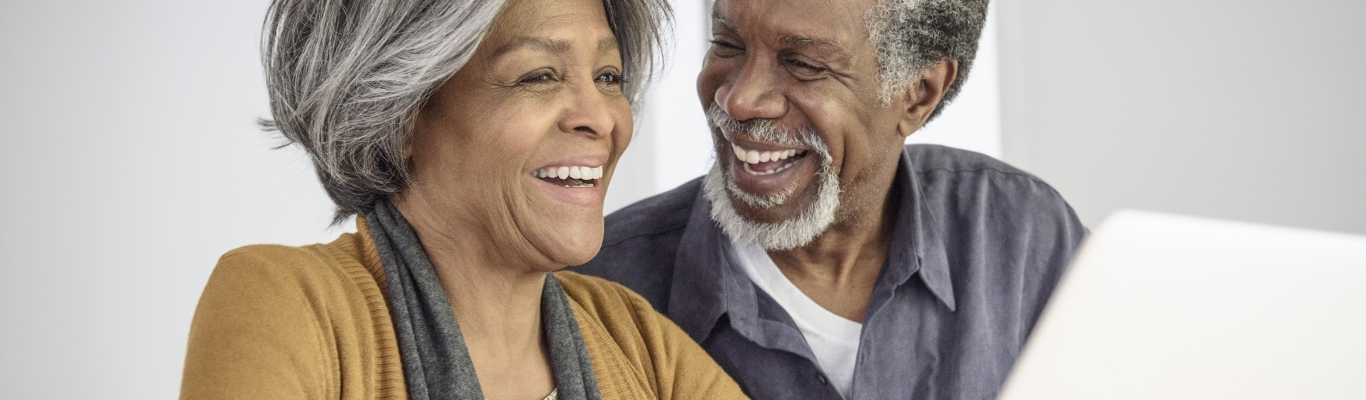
<point x="917" y="246"/>
<point x="706" y="285"/>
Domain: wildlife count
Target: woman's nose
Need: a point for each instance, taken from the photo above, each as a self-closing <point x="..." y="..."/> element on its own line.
<point x="588" y="112"/>
<point x="752" y="92"/>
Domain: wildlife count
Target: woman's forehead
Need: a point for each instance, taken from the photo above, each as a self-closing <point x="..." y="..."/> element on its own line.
<point x="551" y="26"/>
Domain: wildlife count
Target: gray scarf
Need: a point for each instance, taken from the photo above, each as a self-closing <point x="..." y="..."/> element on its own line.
<point x="436" y="364"/>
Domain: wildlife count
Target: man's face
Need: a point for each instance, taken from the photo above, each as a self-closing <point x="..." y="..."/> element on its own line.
<point x="799" y="66"/>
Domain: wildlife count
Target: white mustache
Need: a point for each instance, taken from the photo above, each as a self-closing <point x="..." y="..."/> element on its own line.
<point x="763" y="130"/>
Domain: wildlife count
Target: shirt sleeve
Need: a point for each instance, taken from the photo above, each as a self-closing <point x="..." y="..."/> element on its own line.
<point x="256" y="336"/>
<point x="1055" y="226"/>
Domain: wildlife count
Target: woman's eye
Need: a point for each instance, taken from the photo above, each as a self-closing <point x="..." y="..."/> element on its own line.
<point x="538" y="77"/>
<point x="610" y="78"/>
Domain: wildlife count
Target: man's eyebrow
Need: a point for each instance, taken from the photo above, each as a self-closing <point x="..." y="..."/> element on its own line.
<point x="830" y="47"/>
<point x="807" y="41"/>
<point x="719" y="20"/>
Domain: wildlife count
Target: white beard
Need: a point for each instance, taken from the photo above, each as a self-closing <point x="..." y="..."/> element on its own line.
<point x="720" y="187"/>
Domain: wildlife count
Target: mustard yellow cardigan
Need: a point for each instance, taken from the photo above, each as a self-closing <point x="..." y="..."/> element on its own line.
<point x="312" y="322"/>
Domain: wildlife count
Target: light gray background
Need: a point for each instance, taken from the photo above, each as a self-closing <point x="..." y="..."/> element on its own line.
<point x="1249" y="110"/>
<point x="129" y="160"/>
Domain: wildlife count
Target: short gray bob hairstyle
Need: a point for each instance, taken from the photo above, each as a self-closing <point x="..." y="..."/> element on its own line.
<point x="347" y="77"/>
<point x="912" y="35"/>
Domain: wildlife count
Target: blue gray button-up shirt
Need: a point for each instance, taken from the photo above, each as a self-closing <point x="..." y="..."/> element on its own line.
<point x="977" y="249"/>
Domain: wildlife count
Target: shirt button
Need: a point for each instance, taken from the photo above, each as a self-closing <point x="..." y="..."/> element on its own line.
<point x="821" y="378"/>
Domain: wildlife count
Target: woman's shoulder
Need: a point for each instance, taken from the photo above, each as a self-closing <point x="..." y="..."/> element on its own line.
<point x="333" y="262"/>
<point x="603" y="298"/>
<point x="637" y="352"/>
<point x="291" y="322"/>
<point x="318" y="279"/>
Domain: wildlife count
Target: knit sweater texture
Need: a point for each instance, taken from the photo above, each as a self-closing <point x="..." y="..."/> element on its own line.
<point x="312" y="322"/>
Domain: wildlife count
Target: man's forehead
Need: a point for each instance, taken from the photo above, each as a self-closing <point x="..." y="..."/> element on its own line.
<point x="796" y="23"/>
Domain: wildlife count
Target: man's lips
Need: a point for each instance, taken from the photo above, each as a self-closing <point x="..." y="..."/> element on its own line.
<point x="766" y="162"/>
<point x="761" y="159"/>
<point x="768" y="169"/>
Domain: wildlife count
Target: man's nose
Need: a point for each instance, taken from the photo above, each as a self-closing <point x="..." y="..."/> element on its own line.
<point x="753" y="92"/>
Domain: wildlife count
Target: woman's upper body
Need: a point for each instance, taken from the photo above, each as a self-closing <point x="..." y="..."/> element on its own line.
<point x="478" y="138"/>
<point x="313" y="322"/>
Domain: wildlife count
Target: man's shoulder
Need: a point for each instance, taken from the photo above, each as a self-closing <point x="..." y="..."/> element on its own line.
<point x="642" y="240"/>
<point x="930" y="158"/>
<point x="971" y="195"/>
<point x="659" y="214"/>
<point x="955" y="173"/>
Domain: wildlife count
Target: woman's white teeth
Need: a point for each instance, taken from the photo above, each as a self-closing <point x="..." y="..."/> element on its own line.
<point x="575" y="172"/>
<point x="755" y="157"/>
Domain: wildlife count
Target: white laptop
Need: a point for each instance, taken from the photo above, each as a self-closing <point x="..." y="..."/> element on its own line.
<point x="1159" y="306"/>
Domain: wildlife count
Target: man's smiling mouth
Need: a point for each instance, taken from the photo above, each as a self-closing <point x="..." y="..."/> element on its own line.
<point x="767" y="162"/>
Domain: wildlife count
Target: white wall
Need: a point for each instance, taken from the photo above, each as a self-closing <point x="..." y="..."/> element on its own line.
<point x="128" y="163"/>
<point x="1243" y="109"/>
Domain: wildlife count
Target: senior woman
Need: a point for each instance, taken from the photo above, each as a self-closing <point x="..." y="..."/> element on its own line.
<point x="475" y="139"/>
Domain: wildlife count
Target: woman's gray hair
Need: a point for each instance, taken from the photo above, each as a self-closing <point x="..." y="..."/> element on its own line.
<point x="347" y="77"/>
<point x="912" y="35"/>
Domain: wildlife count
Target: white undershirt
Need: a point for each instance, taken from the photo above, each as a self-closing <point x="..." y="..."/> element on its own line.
<point x="832" y="338"/>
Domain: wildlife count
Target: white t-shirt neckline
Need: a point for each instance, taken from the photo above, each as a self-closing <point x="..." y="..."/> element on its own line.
<point x="833" y="339"/>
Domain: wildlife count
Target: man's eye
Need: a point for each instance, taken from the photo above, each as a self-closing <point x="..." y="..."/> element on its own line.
<point x="810" y="69"/>
<point x="725" y="49"/>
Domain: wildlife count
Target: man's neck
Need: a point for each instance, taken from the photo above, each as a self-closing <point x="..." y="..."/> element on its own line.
<point x="839" y="268"/>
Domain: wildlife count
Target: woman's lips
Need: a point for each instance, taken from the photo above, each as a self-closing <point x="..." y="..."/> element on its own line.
<point x="576" y="172"/>
<point x="576" y="181"/>
<point x="586" y="193"/>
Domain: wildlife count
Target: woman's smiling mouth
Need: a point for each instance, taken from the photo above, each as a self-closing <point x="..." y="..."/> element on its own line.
<point x="570" y="176"/>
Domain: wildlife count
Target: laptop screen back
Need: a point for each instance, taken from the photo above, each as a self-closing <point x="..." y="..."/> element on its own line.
<point x="1158" y="306"/>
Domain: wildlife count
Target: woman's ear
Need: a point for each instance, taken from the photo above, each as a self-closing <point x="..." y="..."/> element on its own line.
<point x="923" y="96"/>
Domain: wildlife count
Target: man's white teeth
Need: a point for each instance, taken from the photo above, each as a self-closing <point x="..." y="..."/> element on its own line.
<point x="755" y="157"/>
<point x="575" y="172"/>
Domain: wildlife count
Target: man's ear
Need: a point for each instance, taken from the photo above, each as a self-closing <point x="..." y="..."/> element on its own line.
<point x="923" y="96"/>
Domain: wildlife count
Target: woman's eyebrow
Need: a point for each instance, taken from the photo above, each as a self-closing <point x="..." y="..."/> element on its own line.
<point x="538" y="43"/>
<point x="547" y="45"/>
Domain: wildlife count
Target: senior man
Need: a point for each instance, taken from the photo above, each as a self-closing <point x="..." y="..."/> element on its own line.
<point x="823" y="258"/>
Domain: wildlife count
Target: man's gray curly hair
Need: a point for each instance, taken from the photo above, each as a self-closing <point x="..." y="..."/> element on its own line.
<point x="347" y="77"/>
<point x="911" y="35"/>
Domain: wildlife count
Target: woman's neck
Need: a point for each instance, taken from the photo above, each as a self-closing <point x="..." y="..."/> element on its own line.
<point x="496" y="300"/>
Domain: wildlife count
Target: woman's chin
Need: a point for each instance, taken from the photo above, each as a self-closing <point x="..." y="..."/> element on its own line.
<point x="568" y="242"/>
<point x="578" y="254"/>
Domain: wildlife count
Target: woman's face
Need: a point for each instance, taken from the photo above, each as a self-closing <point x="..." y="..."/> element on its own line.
<point x="540" y="97"/>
